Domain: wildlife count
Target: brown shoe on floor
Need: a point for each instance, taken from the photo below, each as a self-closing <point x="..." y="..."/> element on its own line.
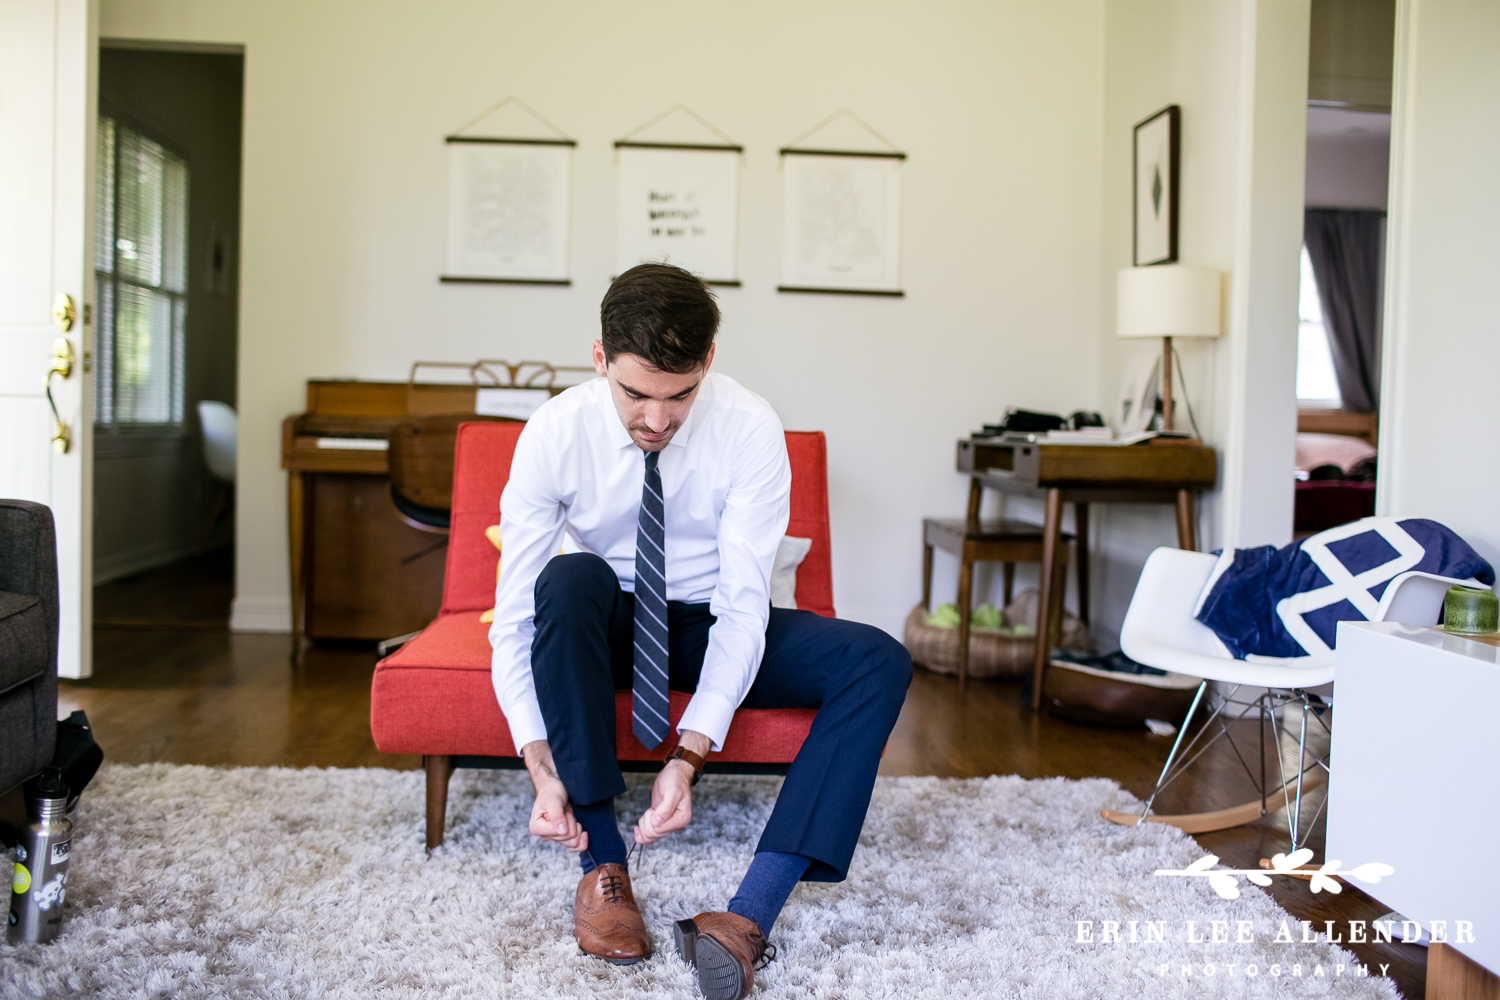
<point x="606" y="921"/>
<point x="727" y="949"/>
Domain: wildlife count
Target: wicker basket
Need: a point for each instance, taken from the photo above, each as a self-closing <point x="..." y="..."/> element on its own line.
<point x="992" y="653"/>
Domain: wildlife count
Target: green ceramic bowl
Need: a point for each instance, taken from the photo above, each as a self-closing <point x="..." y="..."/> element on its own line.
<point x="1472" y="611"/>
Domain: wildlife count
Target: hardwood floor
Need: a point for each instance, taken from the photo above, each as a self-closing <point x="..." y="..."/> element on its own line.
<point x="190" y="595"/>
<point x="171" y="683"/>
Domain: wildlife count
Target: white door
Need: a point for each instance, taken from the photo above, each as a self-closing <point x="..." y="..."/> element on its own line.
<point x="48" y="68"/>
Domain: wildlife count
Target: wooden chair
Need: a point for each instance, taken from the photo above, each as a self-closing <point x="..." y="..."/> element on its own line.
<point x="1002" y="541"/>
<point x="421" y="462"/>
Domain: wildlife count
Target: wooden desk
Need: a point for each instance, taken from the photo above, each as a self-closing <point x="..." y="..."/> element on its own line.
<point x="1081" y="475"/>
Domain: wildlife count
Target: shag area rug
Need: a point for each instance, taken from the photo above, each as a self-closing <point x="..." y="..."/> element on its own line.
<point x="194" y="882"/>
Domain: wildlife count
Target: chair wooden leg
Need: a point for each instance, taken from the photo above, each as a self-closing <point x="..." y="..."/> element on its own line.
<point x="1009" y="574"/>
<point x="965" y="589"/>
<point x="976" y="493"/>
<point x="1223" y="819"/>
<point x="1059" y="592"/>
<point x="1051" y="532"/>
<point x="927" y="577"/>
<point x="1081" y="533"/>
<point x="1187" y="529"/>
<point x="439" y="770"/>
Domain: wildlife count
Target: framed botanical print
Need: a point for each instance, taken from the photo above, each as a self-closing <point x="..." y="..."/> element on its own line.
<point x="1157" y="154"/>
<point x="508" y="211"/>
<point x="841" y="222"/>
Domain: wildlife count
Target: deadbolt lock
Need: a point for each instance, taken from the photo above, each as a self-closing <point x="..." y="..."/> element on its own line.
<point x="63" y="312"/>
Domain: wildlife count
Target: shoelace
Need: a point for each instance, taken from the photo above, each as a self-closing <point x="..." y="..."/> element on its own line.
<point x="767" y="956"/>
<point x="613" y="887"/>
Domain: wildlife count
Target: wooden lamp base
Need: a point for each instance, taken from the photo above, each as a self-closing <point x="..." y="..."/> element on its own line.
<point x="1166" y="384"/>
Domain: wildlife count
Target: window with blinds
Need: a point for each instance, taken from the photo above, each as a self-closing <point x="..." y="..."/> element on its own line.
<point x="140" y="269"/>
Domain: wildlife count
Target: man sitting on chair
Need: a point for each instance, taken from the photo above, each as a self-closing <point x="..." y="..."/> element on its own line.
<point x="669" y="489"/>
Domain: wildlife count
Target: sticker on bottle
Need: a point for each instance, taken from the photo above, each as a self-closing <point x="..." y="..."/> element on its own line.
<point x="21" y="881"/>
<point x="52" y="892"/>
<point x="60" y="852"/>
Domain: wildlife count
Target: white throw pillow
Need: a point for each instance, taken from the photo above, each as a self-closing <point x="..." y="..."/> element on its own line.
<point x="789" y="555"/>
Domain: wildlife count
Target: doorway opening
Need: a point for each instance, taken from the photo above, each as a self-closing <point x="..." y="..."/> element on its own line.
<point x="1350" y="70"/>
<point x="167" y="209"/>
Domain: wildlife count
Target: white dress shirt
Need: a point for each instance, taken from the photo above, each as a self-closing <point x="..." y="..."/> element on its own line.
<point x="575" y="483"/>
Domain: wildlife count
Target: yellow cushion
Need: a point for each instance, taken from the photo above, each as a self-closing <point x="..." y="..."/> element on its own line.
<point x="493" y="534"/>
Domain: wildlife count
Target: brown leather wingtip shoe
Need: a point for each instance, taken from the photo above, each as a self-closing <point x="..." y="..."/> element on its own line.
<point x="727" y="949"/>
<point x="606" y="921"/>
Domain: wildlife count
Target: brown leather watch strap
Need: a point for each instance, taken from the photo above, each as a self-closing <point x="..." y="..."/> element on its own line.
<point x="691" y="759"/>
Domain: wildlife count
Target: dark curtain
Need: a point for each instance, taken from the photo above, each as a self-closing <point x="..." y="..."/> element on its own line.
<point x="1345" y="247"/>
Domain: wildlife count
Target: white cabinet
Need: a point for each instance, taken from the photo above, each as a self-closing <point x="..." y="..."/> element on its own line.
<point x="1416" y="775"/>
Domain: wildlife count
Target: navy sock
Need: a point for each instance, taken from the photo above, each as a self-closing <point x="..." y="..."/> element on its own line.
<point x="766" y="886"/>
<point x="606" y="846"/>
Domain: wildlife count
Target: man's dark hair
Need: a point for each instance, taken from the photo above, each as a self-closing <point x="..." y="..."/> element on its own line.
<point x="661" y="314"/>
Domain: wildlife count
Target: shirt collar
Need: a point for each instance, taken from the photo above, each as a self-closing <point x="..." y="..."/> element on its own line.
<point x="620" y="437"/>
<point x="685" y="432"/>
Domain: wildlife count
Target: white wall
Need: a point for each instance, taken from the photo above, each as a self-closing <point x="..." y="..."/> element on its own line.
<point x="1239" y="71"/>
<point x="1348" y="158"/>
<point x="998" y="105"/>
<point x="1440" y="400"/>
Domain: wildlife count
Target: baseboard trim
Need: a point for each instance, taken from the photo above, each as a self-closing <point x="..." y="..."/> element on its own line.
<point x="261" y="614"/>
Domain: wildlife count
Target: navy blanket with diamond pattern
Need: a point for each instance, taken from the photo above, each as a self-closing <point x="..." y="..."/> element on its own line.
<point x="1288" y="602"/>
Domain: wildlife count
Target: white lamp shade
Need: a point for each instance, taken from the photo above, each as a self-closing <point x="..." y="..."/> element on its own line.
<point x="1171" y="300"/>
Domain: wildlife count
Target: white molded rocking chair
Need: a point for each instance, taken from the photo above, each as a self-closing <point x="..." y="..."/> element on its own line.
<point x="1160" y="631"/>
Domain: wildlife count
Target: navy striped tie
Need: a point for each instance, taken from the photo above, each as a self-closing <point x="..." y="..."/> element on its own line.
<point x="649" y="706"/>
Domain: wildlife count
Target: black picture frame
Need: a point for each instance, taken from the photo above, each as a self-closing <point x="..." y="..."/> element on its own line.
<point x="1156" y="150"/>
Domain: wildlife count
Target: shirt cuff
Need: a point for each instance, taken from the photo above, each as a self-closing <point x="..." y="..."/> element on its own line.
<point x="525" y="721"/>
<point x="708" y="713"/>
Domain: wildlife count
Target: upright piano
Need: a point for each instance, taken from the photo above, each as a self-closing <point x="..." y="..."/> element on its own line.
<point x="359" y="568"/>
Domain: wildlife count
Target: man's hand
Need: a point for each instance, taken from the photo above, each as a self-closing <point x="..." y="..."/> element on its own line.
<point x="672" y="794"/>
<point x="551" y="819"/>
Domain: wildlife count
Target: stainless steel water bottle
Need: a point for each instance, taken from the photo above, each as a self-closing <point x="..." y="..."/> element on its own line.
<point x="41" y="871"/>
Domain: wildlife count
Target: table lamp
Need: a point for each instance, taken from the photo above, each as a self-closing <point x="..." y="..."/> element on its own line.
<point x="1166" y="301"/>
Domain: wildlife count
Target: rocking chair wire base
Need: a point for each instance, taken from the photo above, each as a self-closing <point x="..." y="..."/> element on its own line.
<point x="1311" y="772"/>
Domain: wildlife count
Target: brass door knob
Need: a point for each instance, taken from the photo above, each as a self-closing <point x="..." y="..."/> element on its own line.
<point x="62" y="359"/>
<point x="62" y="364"/>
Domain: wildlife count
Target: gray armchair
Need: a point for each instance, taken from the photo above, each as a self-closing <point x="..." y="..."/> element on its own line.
<point x="28" y="641"/>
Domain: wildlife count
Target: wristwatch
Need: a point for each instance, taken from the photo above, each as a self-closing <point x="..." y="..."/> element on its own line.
<point x="691" y="759"/>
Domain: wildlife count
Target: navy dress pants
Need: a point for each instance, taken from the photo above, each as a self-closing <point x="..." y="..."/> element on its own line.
<point x="855" y="675"/>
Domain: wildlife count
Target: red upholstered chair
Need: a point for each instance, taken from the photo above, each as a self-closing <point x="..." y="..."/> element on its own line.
<point x="434" y="696"/>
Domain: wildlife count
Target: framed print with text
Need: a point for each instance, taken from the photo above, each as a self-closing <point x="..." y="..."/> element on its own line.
<point x="678" y="204"/>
